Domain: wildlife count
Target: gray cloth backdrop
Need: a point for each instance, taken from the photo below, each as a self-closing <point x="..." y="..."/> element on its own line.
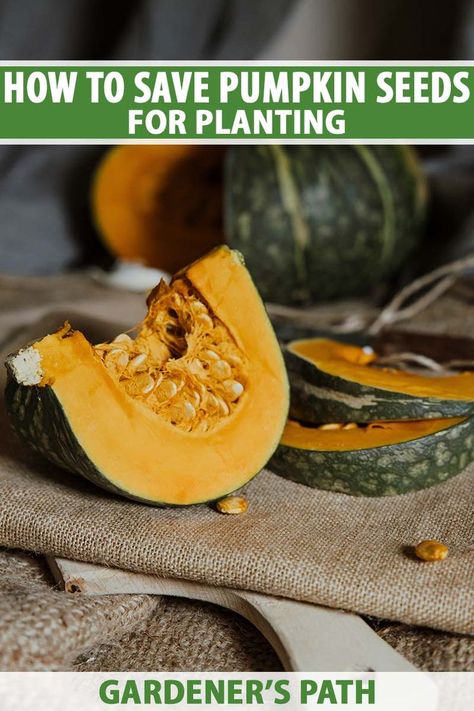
<point x="44" y="210"/>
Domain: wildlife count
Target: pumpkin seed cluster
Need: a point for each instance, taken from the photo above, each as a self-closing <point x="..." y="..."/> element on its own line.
<point x="183" y="363"/>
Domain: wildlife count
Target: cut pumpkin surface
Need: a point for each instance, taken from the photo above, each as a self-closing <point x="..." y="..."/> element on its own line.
<point x="160" y="205"/>
<point x="188" y="410"/>
<point x="377" y="459"/>
<point x="337" y="382"/>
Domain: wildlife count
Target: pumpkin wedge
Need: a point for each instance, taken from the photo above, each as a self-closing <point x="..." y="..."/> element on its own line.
<point x="160" y="205"/>
<point x="188" y="410"/>
<point x="337" y="382"/>
<point x="378" y="459"/>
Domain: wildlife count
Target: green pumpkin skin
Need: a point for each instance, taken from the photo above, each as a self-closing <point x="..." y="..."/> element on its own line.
<point x="317" y="223"/>
<point x="318" y="397"/>
<point x="381" y="471"/>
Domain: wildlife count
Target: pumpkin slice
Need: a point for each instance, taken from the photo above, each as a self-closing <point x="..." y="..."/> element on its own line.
<point x="337" y="382"/>
<point x="160" y="205"/>
<point x="377" y="459"/>
<point x="187" y="411"/>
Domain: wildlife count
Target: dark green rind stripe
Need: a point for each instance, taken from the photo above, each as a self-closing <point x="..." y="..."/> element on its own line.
<point x="317" y="397"/>
<point x="382" y="471"/>
<point x="39" y="420"/>
<point x="347" y="232"/>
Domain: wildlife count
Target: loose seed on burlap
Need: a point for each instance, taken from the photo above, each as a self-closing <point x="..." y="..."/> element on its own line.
<point x="232" y="505"/>
<point x="431" y="550"/>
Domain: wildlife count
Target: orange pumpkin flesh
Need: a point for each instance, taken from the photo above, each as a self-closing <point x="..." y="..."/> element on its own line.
<point x="350" y="363"/>
<point x="160" y="205"/>
<point x="375" y="434"/>
<point x="203" y="437"/>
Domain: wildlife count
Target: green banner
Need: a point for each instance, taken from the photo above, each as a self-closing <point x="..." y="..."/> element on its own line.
<point x="233" y="102"/>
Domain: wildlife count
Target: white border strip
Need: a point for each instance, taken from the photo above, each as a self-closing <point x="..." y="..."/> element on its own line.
<point x="97" y="691"/>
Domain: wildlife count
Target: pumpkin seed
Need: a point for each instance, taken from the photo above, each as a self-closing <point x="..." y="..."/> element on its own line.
<point x="159" y="351"/>
<point x="210" y="355"/>
<point x="202" y="390"/>
<point x="431" y="550"/>
<point x="234" y="360"/>
<point x="146" y="383"/>
<point x="123" y="338"/>
<point x="350" y="426"/>
<point x="197" y="307"/>
<point x="331" y="426"/>
<point x="205" y="321"/>
<point x="223" y="406"/>
<point x="175" y="414"/>
<point x="195" y="397"/>
<point x="167" y="389"/>
<point x="221" y="369"/>
<point x="212" y="402"/>
<point x="366" y="356"/>
<point x="195" y="366"/>
<point x="118" y="357"/>
<point x="233" y="388"/>
<point x="189" y="411"/>
<point x="137" y="361"/>
<point x="202" y="426"/>
<point x="232" y="505"/>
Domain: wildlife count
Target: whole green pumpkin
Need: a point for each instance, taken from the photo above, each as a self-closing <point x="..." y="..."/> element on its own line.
<point x="318" y="223"/>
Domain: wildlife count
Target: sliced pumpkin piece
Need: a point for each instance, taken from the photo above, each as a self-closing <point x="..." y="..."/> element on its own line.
<point x="337" y="382"/>
<point x="377" y="459"/>
<point x="160" y="205"/>
<point x="186" y="411"/>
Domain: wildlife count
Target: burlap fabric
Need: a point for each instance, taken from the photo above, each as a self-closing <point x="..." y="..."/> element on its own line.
<point x="309" y="545"/>
<point x="42" y="628"/>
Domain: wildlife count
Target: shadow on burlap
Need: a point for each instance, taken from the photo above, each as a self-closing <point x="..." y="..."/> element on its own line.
<point x="310" y="545"/>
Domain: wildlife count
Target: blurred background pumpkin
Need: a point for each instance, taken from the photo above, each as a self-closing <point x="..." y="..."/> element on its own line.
<point x="362" y="222"/>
